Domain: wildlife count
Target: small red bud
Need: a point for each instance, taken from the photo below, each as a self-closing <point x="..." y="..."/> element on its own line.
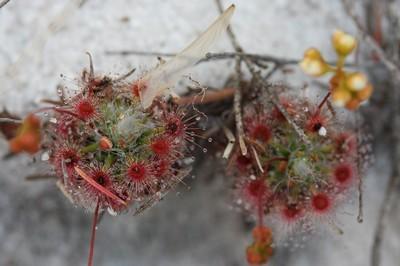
<point x="262" y="234"/>
<point x="105" y="143"/>
<point x="28" y="138"/>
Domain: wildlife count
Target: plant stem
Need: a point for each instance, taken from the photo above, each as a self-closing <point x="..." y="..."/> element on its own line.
<point x="93" y="234"/>
<point x="10" y="120"/>
<point x="323" y="101"/>
<point x="210" y="96"/>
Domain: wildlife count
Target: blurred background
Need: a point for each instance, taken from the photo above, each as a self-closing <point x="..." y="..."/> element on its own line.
<point x="43" y="44"/>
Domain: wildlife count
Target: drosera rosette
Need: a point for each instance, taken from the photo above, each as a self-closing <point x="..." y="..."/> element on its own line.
<point x="348" y="89"/>
<point x="296" y="175"/>
<point x="116" y="145"/>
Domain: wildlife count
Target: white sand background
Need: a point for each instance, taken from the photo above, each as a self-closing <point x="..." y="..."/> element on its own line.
<point x="38" y="226"/>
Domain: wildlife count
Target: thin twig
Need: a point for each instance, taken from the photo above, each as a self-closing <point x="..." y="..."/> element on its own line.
<point x="93" y="234"/>
<point x="91" y="68"/>
<point x="272" y="71"/>
<point x="123" y="77"/>
<point x="371" y="41"/>
<point x="255" y="58"/>
<point x="331" y="108"/>
<point x="237" y="100"/>
<point x="282" y="110"/>
<point x="394" y="180"/>
<point x="257" y="77"/>
<point x="237" y="106"/>
<point x="360" y="215"/>
<point x="10" y="120"/>
<point x="209" y="96"/>
<point x="380" y="226"/>
<point x="231" y="35"/>
<point x="212" y="56"/>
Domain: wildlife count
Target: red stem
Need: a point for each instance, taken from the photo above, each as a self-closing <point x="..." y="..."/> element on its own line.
<point x="323" y="102"/>
<point x="378" y="35"/>
<point x="93" y="236"/>
<point x="260" y="210"/>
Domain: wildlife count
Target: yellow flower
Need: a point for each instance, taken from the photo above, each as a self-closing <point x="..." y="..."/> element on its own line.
<point x="313" y="63"/>
<point x="340" y="97"/>
<point x="343" y="43"/>
<point x="365" y="93"/>
<point x="353" y="104"/>
<point x="348" y="89"/>
<point x="356" y="81"/>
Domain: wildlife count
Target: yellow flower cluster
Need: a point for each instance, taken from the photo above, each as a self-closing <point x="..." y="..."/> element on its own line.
<point x="348" y="89"/>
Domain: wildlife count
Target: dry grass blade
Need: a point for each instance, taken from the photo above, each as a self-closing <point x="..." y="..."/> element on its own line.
<point x="165" y="75"/>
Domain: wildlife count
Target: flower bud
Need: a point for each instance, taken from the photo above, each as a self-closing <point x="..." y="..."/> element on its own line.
<point x="314" y="54"/>
<point x="262" y="234"/>
<point x="341" y="97"/>
<point x="353" y="104"/>
<point x="258" y="253"/>
<point x="28" y="138"/>
<point x="254" y="256"/>
<point x="137" y="87"/>
<point x="365" y="93"/>
<point x="343" y="43"/>
<point x="313" y="63"/>
<point x="105" y="143"/>
<point x="336" y="80"/>
<point x="356" y="81"/>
